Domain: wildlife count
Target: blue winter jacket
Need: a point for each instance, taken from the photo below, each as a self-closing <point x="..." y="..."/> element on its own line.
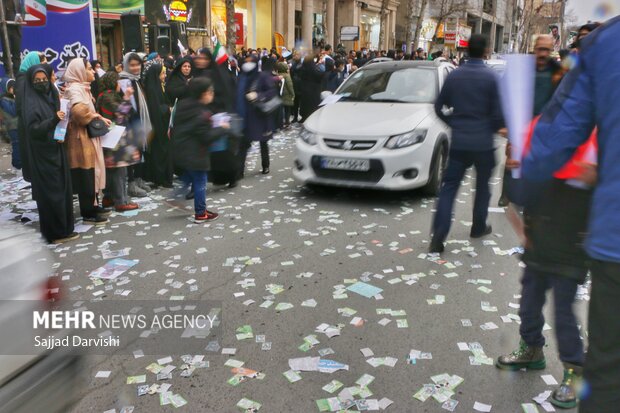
<point x="587" y="97"/>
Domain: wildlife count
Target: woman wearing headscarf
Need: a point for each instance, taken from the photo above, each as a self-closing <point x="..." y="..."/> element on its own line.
<point x="160" y="166"/>
<point x="51" y="177"/>
<point x="85" y="154"/>
<point x="205" y="66"/>
<point x="178" y="80"/>
<point x="130" y="78"/>
<point x="9" y="119"/>
<point x="255" y="86"/>
<point x="117" y="108"/>
<point x="31" y="59"/>
<point x="310" y="87"/>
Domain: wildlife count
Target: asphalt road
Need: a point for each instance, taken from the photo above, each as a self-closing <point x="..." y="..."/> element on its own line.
<point x="331" y="236"/>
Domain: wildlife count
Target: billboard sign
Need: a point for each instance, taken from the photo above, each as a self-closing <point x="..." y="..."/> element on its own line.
<point x="47" y="32"/>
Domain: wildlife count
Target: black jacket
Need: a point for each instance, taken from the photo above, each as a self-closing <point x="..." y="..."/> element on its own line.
<point x="192" y="135"/>
<point x="472" y="91"/>
<point x="556" y="226"/>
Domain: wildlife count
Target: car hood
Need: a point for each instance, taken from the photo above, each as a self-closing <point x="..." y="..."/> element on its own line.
<point x="366" y="119"/>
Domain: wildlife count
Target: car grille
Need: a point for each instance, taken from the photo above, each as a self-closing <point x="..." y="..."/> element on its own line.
<point x="374" y="174"/>
<point x="349" y="145"/>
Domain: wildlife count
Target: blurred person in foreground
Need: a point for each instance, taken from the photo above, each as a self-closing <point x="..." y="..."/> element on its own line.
<point x="585" y="99"/>
<point x="555" y="261"/>
<point x="474" y="113"/>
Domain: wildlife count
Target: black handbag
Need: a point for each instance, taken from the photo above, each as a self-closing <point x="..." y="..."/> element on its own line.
<point x="97" y="128"/>
<point x="266" y="106"/>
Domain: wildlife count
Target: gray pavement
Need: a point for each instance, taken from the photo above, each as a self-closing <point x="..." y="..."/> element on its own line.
<point x="308" y="242"/>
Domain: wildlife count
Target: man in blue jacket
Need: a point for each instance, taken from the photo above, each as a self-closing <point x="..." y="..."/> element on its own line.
<point x="587" y="97"/>
<point x="471" y="97"/>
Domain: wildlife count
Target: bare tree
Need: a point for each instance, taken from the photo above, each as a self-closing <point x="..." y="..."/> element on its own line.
<point x="531" y="22"/>
<point x="231" y="29"/>
<point x="445" y="8"/>
<point x="382" y="15"/>
<point x="411" y="6"/>
<point x="418" y="25"/>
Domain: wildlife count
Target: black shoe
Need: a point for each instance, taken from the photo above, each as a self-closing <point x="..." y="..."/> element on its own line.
<point x="265" y="171"/>
<point x="190" y="195"/>
<point x="232" y="184"/>
<point x="503" y="202"/>
<point x="486" y="231"/>
<point x="103" y="212"/>
<point x="97" y="220"/>
<point x="436" y="247"/>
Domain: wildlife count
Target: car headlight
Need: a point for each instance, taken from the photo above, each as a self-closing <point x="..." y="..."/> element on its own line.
<point x="309" y="137"/>
<point x="406" y="139"/>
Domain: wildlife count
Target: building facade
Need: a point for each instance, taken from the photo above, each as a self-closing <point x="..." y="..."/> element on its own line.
<point x="494" y="18"/>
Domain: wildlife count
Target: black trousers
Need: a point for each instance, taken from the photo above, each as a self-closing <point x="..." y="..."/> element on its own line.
<point x="243" y="154"/>
<point x="535" y="285"/>
<point x="602" y="367"/>
<point x="458" y="163"/>
<point x="84" y="186"/>
<point x="295" y="108"/>
<point x="15" y="41"/>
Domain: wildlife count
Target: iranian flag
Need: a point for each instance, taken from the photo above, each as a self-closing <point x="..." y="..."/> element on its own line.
<point x="220" y="53"/>
<point x="66" y="6"/>
<point x="36" y="12"/>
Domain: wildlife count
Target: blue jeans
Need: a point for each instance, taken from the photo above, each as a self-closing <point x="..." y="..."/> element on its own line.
<point x="533" y="294"/>
<point x="199" y="180"/>
<point x="458" y="163"/>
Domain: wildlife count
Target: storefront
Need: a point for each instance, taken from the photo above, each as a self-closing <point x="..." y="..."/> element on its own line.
<point x="370" y="26"/>
<point x="253" y="22"/>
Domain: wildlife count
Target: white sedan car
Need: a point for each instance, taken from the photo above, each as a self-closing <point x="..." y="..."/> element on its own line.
<point x="379" y="130"/>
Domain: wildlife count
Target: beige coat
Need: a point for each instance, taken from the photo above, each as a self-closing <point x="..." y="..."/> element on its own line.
<point x="84" y="152"/>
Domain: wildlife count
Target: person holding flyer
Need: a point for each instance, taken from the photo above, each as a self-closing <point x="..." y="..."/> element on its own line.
<point x="51" y="176"/>
<point x="117" y="108"/>
<point x="192" y="136"/>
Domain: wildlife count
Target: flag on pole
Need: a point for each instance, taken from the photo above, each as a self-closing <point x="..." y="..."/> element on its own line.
<point x="220" y="52"/>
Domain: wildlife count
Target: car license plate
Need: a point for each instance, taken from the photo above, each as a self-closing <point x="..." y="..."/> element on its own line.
<point x="346" y="164"/>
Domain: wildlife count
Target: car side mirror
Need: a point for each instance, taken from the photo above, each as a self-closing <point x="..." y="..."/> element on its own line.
<point x="325" y="94"/>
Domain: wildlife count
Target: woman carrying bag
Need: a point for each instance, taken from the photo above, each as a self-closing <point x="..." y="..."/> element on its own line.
<point x="256" y="88"/>
<point x="84" y="152"/>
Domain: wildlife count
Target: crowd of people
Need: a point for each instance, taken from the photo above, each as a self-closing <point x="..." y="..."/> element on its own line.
<point x="189" y="117"/>
<point x="162" y="103"/>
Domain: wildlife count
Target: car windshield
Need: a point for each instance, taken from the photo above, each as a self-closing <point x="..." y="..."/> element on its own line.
<point x="401" y="85"/>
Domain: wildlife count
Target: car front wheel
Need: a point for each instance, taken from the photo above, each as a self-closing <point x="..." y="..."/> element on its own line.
<point x="433" y="186"/>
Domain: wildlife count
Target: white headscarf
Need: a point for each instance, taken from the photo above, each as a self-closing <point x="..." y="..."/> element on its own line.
<point x="78" y="86"/>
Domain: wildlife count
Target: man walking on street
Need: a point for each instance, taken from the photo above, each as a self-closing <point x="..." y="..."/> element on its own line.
<point x="469" y="103"/>
<point x="585" y="99"/>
